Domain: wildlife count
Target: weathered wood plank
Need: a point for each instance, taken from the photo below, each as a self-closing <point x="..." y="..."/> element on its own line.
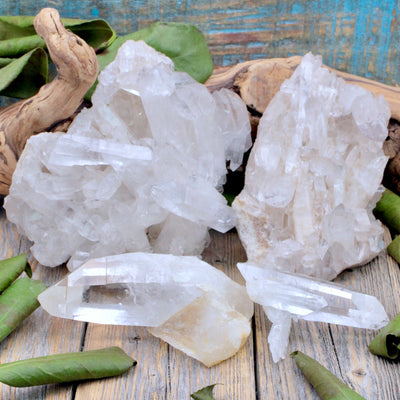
<point x="359" y="38"/>
<point x="40" y="334"/>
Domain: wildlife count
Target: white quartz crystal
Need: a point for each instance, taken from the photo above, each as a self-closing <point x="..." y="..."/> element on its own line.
<point x="312" y="181"/>
<point x="187" y="302"/>
<point x="314" y="175"/>
<point x="141" y="170"/>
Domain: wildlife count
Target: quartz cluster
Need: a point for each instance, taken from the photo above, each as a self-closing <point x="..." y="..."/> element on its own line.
<point x="141" y="170"/>
<point x="314" y="176"/>
<point x="186" y="302"/>
<point x="312" y="180"/>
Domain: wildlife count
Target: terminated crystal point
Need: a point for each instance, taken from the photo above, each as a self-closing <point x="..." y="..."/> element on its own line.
<point x="312" y="299"/>
<point x="314" y="176"/>
<point x="287" y="296"/>
<point x="186" y="301"/>
<point x="141" y="170"/>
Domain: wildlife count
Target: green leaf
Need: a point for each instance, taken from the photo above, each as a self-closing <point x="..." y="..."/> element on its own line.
<point x="11" y="269"/>
<point x="387" y="210"/>
<point x="183" y="43"/>
<point x="206" y="393"/>
<point x="394" y="249"/>
<point x="23" y="77"/>
<point x="18" y="36"/>
<point x="387" y="342"/>
<point x="70" y="367"/>
<point x="327" y="385"/>
<point x="17" y="302"/>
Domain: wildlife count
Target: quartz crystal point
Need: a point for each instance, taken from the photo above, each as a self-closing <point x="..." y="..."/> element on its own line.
<point x="141" y="170"/>
<point x="312" y="180"/>
<point x="286" y="295"/>
<point x="186" y="301"/>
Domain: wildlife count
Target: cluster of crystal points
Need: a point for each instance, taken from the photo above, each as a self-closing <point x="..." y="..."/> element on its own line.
<point x="314" y="176"/>
<point x="312" y="181"/>
<point x="186" y="302"/>
<point x="141" y="170"/>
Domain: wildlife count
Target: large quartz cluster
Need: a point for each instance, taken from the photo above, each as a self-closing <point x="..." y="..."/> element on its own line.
<point x="141" y="170"/>
<point x="186" y="302"/>
<point x="314" y="176"/>
<point x="312" y="181"/>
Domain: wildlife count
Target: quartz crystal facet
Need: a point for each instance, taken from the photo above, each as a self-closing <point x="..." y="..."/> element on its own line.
<point x="187" y="302"/>
<point x="141" y="170"/>
<point x="312" y="180"/>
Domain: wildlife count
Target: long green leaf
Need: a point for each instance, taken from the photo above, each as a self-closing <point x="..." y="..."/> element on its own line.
<point x="183" y="43"/>
<point x="70" y="367"/>
<point x="327" y="385"/>
<point x="206" y="393"/>
<point x="388" y="210"/>
<point x="17" y="302"/>
<point x="11" y="269"/>
<point x="387" y="342"/>
<point x="18" y="36"/>
<point x="24" y="76"/>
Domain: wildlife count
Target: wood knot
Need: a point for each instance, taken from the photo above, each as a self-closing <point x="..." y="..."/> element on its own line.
<point x="359" y="372"/>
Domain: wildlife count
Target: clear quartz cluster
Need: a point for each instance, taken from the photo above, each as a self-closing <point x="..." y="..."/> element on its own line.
<point x="186" y="302"/>
<point x="314" y="176"/>
<point x="141" y="170"/>
<point x="312" y="181"/>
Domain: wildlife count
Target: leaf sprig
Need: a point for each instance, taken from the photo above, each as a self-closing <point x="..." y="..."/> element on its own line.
<point x="24" y="63"/>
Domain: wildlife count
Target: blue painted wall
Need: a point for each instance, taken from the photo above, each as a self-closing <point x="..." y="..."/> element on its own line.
<point x="358" y="36"/>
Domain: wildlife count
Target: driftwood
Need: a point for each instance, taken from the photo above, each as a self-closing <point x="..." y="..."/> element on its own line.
<point x="258" y="81"/>
<point x="77" y="69"/>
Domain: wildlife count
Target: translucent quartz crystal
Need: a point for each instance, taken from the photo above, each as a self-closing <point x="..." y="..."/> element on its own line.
<point x="286" y="295"/>
<point x="312" y="299"/>
<point x="313" y="176"/>
<point x="312" y="180"/>
<point x="141" y="170"/>
<point x="189" y="303"/>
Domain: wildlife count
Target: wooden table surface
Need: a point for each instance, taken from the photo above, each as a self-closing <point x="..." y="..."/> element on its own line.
<point x="163" y="372"/>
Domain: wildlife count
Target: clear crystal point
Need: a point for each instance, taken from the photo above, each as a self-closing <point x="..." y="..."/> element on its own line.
<point x="312" y="299"/>
<point x="288" y="296"/>
<point x="187" y="302"/>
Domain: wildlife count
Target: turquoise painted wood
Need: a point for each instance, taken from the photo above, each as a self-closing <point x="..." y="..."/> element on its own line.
<point x="358" y="36"/>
